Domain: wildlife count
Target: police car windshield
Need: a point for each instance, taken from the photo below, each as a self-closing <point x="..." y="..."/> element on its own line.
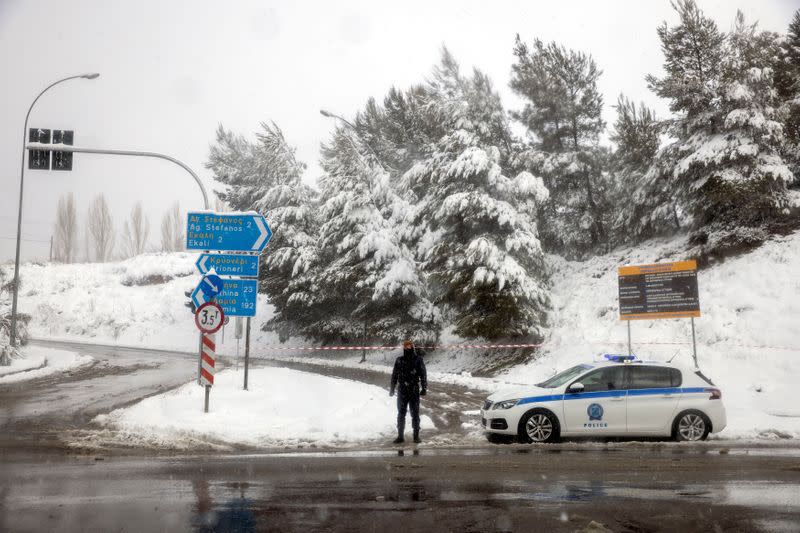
<point x="562" y="377"/>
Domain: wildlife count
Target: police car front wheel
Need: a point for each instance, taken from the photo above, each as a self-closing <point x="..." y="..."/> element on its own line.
<point x="538" y="426"/>
<point x="691" y="426"/>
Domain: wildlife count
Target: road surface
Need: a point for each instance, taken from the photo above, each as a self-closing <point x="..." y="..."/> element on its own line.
<point x="452" y="482"/>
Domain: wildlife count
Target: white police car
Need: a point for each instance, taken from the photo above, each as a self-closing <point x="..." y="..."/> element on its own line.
<point x="620" y="396"/>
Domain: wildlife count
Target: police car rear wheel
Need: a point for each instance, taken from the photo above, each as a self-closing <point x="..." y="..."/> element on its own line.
<point x="538" y="426"/>
<point x="691" y="426"/>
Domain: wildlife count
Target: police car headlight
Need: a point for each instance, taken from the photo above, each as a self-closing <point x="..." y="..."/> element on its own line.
<point x="508" y="404"/>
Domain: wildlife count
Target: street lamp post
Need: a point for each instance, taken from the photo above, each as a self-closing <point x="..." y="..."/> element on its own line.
<point x="88" y="76"/>
<point x="328" y="114"/>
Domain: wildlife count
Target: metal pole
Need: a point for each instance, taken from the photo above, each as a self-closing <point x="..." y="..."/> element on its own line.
<point x="364" y="351"/>
<point x="104" y="151"/>
<point x="630" y="351"/>
<point x="135" y="153"/>
<point x="208" y="391"/>
<point x="694" y="346"/>
<point x="200" y="359"/>
<point x="19" y="209"/>
<point x="51" y="248"/>
<point x="246" y="352"/>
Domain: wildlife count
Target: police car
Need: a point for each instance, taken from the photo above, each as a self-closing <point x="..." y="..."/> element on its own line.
<point x="618" y="396"/>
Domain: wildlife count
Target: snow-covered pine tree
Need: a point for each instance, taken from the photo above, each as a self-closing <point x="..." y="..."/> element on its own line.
<point x="478" y="242"/>
<point x="562" y="114"/>
<point x="787" y="83"/>
<point x="724" y="167"/>
<point x="641" y="203"/>
<point x="693" y="52"/>
<point x="265" y="176"/>
<point x="367" y="280"/>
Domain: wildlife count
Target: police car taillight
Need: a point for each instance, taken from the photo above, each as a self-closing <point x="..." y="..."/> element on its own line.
<point x="716" y="394"/>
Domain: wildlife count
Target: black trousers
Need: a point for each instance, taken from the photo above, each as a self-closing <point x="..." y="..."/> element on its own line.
<point x="407" y="400"/>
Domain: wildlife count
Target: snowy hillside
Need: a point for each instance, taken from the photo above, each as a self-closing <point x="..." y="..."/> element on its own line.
<point x="748" y="339"/>
<point x="136" y="302"/>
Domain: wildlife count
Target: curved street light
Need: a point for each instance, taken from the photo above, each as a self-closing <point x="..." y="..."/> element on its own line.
<point x="87" y="76"/>
<point x="352" y="127"/>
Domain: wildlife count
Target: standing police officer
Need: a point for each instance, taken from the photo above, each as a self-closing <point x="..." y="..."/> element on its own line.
<point x="411" y="379"/>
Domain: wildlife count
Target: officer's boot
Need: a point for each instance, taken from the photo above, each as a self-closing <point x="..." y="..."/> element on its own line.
<point x="416" y="436"/>
<point x="401" y="427"/>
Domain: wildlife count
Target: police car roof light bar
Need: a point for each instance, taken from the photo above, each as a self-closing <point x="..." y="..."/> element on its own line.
<point x="617" y="358"/>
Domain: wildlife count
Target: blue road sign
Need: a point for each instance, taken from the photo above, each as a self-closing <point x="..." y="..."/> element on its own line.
<point x="247" y="232"/>
<point x="237" y="297"/>
<point x="211" y="285"/>
<point x="229" y="264"/>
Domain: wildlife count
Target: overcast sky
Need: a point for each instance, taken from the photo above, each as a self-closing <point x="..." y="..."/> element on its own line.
<point x="171" y="71"/>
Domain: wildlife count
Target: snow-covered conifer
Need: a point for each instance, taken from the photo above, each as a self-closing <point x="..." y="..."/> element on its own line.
<point x="724" y="167"/>
<point x="562" y="113"/>
<point x="478" y="243"/>
<point x="642" y="205"/>
<point x="367" y="280"/>
<point x="787" y="83"/>
<point x="265" y="176"/>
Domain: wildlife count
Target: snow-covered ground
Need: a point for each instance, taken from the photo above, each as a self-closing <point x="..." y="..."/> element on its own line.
<point x="281" y="408"/>
<point x="748" y="339"/>
<point x="38" y="362"/>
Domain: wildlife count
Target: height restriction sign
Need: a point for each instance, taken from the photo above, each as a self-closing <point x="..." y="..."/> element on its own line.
<point x="660" y="290"/>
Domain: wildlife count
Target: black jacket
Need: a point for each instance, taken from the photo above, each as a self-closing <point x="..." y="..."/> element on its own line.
<point x="409" y="372"/>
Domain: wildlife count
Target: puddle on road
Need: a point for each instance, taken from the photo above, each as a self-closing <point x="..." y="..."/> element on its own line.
<point x="747" y="494"/>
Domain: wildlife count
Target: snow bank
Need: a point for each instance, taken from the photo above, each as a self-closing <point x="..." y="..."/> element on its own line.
<point x="39" y="362"/>
<point x="282" y="408"/>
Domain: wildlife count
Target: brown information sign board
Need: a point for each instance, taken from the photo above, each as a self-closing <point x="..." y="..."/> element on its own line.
<point x="661" y="290"/>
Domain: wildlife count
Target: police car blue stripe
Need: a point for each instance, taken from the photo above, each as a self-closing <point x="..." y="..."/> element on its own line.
<point x="596" y="394"/>
<point x="537" y="399"/>
<point x="612" y="394"/>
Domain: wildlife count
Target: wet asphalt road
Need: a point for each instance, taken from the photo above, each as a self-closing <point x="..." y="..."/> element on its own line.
<point x="635" y="488"/>
<point x="449" y="483"/>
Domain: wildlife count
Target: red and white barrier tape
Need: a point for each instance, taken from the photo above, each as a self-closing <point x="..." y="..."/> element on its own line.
<point x="397" y="347"/>
<point x="504" y="346"/>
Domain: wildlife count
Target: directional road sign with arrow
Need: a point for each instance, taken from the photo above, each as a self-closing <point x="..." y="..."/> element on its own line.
<point x="237" y="297"/>
<point x="229" y="264"/>
<point x="211" y="285"/>
<point x="234" y="232"/>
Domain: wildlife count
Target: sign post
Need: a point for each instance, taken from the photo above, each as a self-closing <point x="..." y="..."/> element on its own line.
<point x="246" y="352"/>
<point x="660" y="290"/>
<point x="230" y="277"/>
<point x="208" y="319"/>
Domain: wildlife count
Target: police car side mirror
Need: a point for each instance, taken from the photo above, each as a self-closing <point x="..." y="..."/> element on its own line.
<point x="575" y="388"/>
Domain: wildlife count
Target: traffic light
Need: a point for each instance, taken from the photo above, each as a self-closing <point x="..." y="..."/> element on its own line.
<point x="39" y="159"/>
<point x="62" y="160"/>
<point x="190" y="303"/>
